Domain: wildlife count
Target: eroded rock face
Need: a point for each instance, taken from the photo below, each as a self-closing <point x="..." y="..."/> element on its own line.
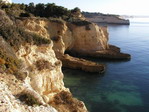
<point x="9" y="103"/>
<point x="44" y="71"/>
<point x="43" y="68"/>
<point x="89" y="38"/>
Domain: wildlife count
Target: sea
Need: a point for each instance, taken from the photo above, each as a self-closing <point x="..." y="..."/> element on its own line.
<point x="124" y="87"/>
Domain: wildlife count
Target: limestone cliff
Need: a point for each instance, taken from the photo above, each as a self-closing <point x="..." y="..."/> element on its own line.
<point x="87" y="39"/>
<point x="30" y="73"/>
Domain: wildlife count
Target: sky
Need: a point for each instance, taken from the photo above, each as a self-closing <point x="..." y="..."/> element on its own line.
<point x="121" y="7"/>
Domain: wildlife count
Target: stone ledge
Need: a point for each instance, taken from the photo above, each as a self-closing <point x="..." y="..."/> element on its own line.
<point x="82" y="64"/>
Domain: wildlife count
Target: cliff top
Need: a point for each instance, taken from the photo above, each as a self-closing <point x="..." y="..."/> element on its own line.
<point x="105" y="18"/>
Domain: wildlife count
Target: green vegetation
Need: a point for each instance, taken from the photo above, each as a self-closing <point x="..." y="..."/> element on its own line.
<point x="50" y="10"/>
<point x="79" y="22"/>
<point x="57" y="20"/>
<point x="13" y="10"/>
<point x="41" y="10"/>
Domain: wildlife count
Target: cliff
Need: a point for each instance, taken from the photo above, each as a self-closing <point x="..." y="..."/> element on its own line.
<point x="32" y="53"/>
<point x="105" y="18"/>
<point x="30" y="73"/>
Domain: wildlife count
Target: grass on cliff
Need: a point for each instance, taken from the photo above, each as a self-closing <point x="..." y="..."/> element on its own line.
<point x="10" y="64"/>
<point x="28" y="99"/>
<point x="16" y="36"/>
<point x="78" y="22"/>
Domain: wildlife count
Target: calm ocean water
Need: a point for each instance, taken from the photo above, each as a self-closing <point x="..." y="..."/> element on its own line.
<point x="124" y="87"/>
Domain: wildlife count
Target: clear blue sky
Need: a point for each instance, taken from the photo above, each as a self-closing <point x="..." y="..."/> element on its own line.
<point x="129" y="7"/>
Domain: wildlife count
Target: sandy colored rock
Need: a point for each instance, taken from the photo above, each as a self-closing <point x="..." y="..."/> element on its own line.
<point x="9" y="103"/>
<point x="89" y="38"/>
<point x="82" y="64"/>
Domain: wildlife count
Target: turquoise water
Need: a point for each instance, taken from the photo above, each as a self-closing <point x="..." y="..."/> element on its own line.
<point x="124" y="87"/>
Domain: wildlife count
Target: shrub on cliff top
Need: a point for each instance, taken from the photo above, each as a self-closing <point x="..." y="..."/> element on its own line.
<point x="13" y="9"/>
<point x="39" y="10"/>
<point x="47" y="10"/>
<point x="57" y="20"/>
<point x="79" y="22"/>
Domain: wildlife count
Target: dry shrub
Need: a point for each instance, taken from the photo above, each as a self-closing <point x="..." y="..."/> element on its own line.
<point x="28" y="99"/>
<point x="64" y="100"/>
<point x="43" y="64"/>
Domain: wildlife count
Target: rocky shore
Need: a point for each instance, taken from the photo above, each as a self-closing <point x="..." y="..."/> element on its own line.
<point x="33" y="51"/>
